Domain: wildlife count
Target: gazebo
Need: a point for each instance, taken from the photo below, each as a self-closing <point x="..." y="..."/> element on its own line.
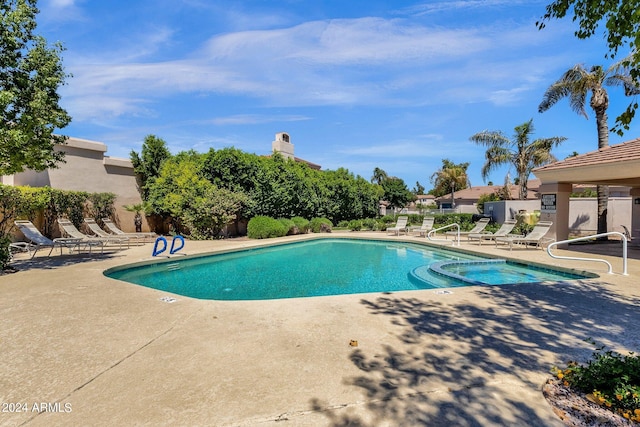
<point x="613" y="165"/>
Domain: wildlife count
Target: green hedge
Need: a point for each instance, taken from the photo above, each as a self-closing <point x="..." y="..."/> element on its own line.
<point x="316" y="225"/>
<point x="264" y="227"/>
<point x="289" y="225"/>
<point x="301" y="223"/>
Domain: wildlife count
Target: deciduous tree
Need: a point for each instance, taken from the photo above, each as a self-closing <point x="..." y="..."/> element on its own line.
<point x="31" y="73"/>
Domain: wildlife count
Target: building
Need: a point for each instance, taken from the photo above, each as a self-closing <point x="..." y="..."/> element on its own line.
<point x="466" y="200"/>
<point x="282" y="144"/>
<point x="86" y="168"/>
<point x="615" y="165"/>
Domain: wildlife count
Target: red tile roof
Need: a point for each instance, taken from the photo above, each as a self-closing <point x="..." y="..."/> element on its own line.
<point x="474" y="193"/>
<point x="629" y="150"/>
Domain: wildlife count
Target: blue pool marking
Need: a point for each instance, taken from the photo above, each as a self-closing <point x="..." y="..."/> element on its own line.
<point x="173" y="249"/>
<point x="157" y="251"/>
<point x="318" y="267"/>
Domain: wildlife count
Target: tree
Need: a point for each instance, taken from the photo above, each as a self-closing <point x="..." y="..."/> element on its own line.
<point x="621" y="23"/>
<point x="575" y="84"/>
<point x="455" y="176"/>
<point x="519" y="152"/>
<point x="378" y="176"/>
<point x="30" y="74"/>
<point x="147" y="166"/>
<point x="443" y="182"/>
<point x="418" y="189"/>
<point x="396" y="192"/>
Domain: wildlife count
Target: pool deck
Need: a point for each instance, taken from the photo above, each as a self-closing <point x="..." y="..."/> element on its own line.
<point x="97" y="351"/>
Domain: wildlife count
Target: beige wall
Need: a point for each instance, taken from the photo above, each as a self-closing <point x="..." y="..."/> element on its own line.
<point x="88" y="169"/>
<point x="583" y="213"/>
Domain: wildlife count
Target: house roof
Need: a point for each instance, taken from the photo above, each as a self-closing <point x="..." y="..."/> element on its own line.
<point x="612" y="165"/>
<point x="474" y="193"/>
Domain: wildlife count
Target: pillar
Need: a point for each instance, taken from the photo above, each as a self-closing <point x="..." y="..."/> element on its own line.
<point x="635" y="216"/>
<point x="554" y="207"/>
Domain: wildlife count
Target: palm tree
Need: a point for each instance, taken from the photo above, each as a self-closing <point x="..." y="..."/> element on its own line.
<point x="519" y="152"/>
<point x="575" y="84"/>
<point x="455" y="176"/>
<point x="379" y="176"/>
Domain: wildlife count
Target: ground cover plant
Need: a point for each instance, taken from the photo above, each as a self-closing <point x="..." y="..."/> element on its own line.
<point x="609" y="379"/>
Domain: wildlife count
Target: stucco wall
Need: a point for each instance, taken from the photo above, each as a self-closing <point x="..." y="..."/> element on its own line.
<point x="86" y="168"/>
<point x="583" y="212"/>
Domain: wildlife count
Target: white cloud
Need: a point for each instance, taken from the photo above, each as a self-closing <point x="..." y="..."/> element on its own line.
<point x="431" y="147"/>
<point x="243" y="119"/>
<point x="365" y="61"/>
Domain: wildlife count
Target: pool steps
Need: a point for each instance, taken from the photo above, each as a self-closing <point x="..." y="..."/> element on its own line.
<point x="438" y="268"/>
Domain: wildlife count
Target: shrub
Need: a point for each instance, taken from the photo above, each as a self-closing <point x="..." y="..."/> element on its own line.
<point x="388" y="218"/>
<point x="289" y="225"/>
<point x="207" y="216"/>
<point x="370" y="224"/>
<point x="612" y="380"/>
<point x="343" y="224"/>
<point x="5" y="252"/>
<point x="301" y="223"/>
<point x="465" y="221"/>
<point x="355" y="225"/>
<point x="264" y="227"/>
<point x="319" y="225"/>
<point x="415" y="219"/>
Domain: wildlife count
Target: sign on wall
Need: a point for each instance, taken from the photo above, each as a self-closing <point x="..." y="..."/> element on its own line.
<point x="548" y="203"/>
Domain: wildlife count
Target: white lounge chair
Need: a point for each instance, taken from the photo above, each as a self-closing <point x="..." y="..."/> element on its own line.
<point x="99" y="232"/>
<point x="114" y="230"/>
<point x="627" y="234"/>
<point x="37" y="240"/>
<point x="68" y="229"/>
<point x="401" y="225"/>
<point x="427" y="226"/>
<point x="477" y="228"/>
<point x="504" y="230"/>
<point x="536" y="236"/>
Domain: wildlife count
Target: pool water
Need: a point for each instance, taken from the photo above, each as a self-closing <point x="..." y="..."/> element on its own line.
<point x="319" y="267"/>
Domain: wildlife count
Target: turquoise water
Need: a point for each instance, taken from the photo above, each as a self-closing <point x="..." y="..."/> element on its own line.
<point x="312" y="268"/>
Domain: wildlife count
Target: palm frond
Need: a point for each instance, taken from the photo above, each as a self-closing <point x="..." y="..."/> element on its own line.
<point x="489" y="138"/>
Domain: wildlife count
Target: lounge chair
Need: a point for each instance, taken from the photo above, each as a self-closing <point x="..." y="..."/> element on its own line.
<point x="477" y="228"/>
<point x="627" y="233"/>
<point x="99" y="232"/>
<point x="401" y="225"/>
<point x="114" y="230"/>
<point x="536" y="236"/>
<point x="427" y="226"/>
<point x="68" y="229"/>
<point x="504" y="230"/>
<point x="37" y="240"/>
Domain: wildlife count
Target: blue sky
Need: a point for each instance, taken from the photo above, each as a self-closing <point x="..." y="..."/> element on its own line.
<point x="357" y="84"/>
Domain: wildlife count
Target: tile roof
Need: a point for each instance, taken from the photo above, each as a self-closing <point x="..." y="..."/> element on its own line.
<point x="613" y="165"/>
<point x="629" y="150"/>
<point x="474" y="193"/>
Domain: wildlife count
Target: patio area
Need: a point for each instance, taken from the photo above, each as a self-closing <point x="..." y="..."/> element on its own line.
<point x="97" y="351"/>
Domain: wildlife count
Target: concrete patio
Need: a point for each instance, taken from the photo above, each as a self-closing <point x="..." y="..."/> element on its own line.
<point x="97" y="351"/>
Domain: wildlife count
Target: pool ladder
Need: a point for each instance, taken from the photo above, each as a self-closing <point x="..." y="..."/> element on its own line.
<point x="610" y="233"/>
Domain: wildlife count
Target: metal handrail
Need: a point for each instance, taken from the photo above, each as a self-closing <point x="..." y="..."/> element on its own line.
<point x="442" y="228"/>
<point x="610" y="233"/>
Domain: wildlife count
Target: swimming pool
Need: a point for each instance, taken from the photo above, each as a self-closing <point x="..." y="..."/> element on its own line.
<point x="321" y="267"/>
